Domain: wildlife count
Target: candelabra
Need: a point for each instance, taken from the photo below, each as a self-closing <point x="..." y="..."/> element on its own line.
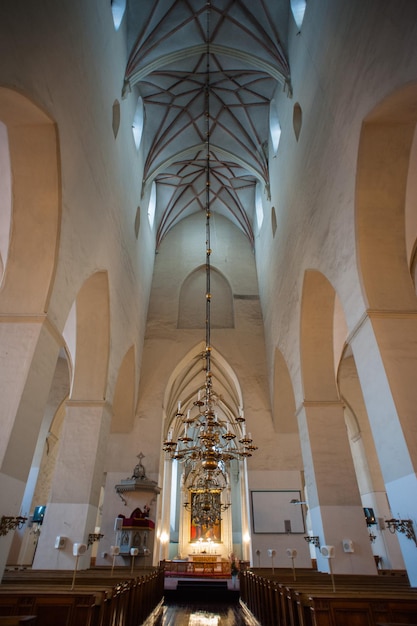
<point x="8" y="523"/>
<point x="314" y="540"/>
<point x="404" y="526"/>
<point x="205" y="489"/>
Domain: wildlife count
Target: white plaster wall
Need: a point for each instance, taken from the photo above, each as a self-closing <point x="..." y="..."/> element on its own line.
<point x="68" y="58"/>
<point x="348" y="56"/>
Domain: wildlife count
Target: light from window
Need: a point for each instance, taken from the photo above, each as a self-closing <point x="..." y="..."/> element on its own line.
<point x="137" y="126"/>
<point x="298" y="8"/>
<point x="152" y="205"/>
<point x="274" y="126"/>
<point x="258" y="206"/>
<point x="118" y="8"/>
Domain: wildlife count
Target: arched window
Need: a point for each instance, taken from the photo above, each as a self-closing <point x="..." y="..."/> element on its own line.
<point x="274" y="126"/>
<point x="258" y="206"/>
<point x="273" y="221"/>
<point x="137" y="126"/>
<point x="152" y="205"/>
<point x="118" y="8"/>
<point x="298" y="8"/>
<point x="297" y="120"/>
<point x="116" y="117"/>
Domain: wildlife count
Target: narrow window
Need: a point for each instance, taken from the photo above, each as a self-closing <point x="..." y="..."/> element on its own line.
<point x="152" y="205"/>
<point x="118" y="8"/>
<point x="116" y="118"/>
<point x="274" y="126"/>
<point x="137" y="126"/>
<point x="298" y="8"/>
<point x="273" y="221"/>
<point x="258" y="206"/>
<point x="137" y="222"/>
<point x="297" y="120"/>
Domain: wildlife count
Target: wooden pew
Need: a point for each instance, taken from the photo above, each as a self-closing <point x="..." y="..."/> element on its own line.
<point x="105" y="602"/>
<point x="313" y="601"/>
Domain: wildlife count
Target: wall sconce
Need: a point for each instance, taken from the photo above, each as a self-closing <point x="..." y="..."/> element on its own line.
<point x="372" y="537"/>
<point x="8" y="523"/>
<point x="314" y="540"/>
<point x="404" y="526"/>
<point x="92" y="537"/>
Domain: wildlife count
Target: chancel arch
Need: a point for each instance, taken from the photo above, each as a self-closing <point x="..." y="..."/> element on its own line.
<point x="185" y="389"/>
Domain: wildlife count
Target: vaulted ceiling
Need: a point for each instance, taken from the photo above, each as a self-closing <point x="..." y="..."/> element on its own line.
<point x="206" y="72"/>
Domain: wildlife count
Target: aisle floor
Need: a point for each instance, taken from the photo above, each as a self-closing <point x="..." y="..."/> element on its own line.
<point x="196" y="614"/>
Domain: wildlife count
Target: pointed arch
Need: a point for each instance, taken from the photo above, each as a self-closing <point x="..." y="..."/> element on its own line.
<point x="317" y="341"/>
<point x="189" y="376"/>
<point x="124" y="395"/>
<point x="192" y="307"/>
<point x="285" y="420"/>
<point x="92" y="339"/>
<point x="382" y="175"/>
<point x="30" y="145"/>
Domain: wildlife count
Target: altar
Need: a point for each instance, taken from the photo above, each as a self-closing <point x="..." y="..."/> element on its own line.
<point x="204" y="558"/>
<point x="211" y="566"/>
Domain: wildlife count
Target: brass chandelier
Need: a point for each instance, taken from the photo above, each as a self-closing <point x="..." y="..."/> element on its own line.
<point x="199" y="438"/>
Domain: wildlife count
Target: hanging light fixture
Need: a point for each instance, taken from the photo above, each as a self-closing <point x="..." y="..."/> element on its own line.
<point x="199" y="438"/>
<point x="205" y="492"/>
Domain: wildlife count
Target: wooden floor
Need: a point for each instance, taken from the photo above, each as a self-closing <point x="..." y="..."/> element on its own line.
<point x="212" y="614"/>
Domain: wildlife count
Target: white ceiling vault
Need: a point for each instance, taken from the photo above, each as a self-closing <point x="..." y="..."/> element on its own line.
<point x="177" y="47"/>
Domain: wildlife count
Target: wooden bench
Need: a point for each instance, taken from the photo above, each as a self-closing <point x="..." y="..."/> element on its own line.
<point x="315" y="601"/>
<point x="104" y="603"/>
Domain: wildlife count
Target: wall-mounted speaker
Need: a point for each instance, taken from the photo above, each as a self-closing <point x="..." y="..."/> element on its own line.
<point x="347" y="545"/>
<point x="271" y="553"/>
<point x="134" y="551"/>
<point x="78" y="549"/>
<point x="60" y="542"/>
<point x="291" y="553"/>
<point x="327" y="551"/>
<point x="114" y="550"/>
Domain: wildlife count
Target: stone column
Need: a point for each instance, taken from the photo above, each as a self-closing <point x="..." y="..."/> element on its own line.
<point x="29" y="351"/>
<point x="75" y="494"/>
<point x="334" y="501"/>
<point x="385" y="351"/>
